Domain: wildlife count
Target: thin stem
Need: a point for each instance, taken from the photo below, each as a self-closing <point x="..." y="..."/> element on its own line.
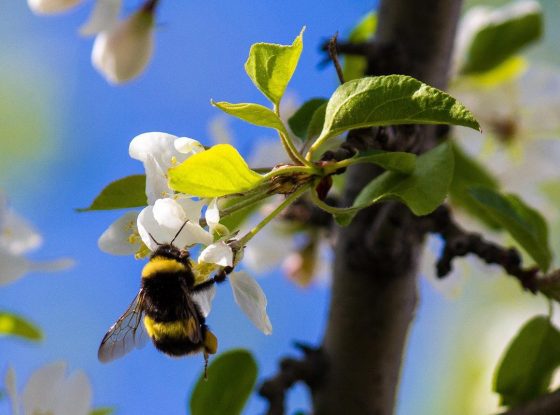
<point x="328" y="208"/>
<point x="292" y="150"/>
<point x="288" y="144"/>
<point x="332" y="49"/>
<point x="291" y="169"/>
<point x="315" y="146"/>
<point x="243" y="204"/>
<point x="288" y="201"/>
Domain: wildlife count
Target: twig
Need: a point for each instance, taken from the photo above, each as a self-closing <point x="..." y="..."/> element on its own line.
<point x="548" y="404"/>
<point x="309" y="370"/>
<point x="333" y="54"/>
<point x="459" y="242"/>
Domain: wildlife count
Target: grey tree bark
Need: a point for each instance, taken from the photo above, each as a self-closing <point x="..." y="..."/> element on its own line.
<point x="374" y="293"/>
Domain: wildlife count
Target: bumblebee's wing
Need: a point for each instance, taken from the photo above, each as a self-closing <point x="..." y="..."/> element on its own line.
<point x="194" y="331"/>
<point x="128" y="332"/>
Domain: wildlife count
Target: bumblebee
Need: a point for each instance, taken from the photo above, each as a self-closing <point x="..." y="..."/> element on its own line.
<point x="164" y="310"/>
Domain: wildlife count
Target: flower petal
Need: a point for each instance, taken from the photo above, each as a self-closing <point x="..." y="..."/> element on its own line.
<point x="158" y="145"/>
<point x="11" y="389"/>
<point x="40" y="392"/>
<point x="147" y="225"/>
<point x="169" y="214"/>
<point x="51" y="6"/>
<point x="74" y="396"/>
<point x="104" y="16"/>
<point x="156" y="181"/>
<point x="252" y="300"/>
<point x="188" y="146"/>
<point x="192" y="208"/>
<point x="121" y="237"/>
<point x="12" y="267"/>
<point x="123" y="53"/>
<point x="17" y="235"/>
<point x="204" y="300"/>
<point x="212" y="214"/>
<point x="218" y="253"/>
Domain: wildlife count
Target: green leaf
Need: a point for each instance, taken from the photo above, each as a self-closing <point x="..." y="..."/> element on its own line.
<point x="422" y="191"/>
<point x="317" y="121"/>
<point x="231" y="378"/>
<point x="216" y="172"/>
<point x="299" y="122"/>
<point x="127" y="192"/>
<point x="13" y="325"/>
<point x="253" y="113"/>
<point x="396" y="161"/>
<point x="469" y="173"/>
<point x="506" y="32"/>
<point x="526" y="369"/>
<point x="271" y="66"/>
<point x="523" y="223"/>
<point x="355" y="66"/>
<point x="103" y="411"/>
<point x="391" y="100"/>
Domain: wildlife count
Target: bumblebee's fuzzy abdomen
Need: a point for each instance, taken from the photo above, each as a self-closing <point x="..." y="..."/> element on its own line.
<point x="172" y="337"/>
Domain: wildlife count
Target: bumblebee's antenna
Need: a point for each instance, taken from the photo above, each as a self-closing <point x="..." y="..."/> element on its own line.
<point x="154" y="239"/>
<point x="178" y="232"/>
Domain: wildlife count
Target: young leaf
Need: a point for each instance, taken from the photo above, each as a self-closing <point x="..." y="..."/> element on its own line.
<point x="526" y="369"/>
<point x="505" y="33"/>
<point x="391" y="100"/>
<point x="317" y="121"/>
<point x="469" y="173"/>
<point x="216" y="172"/>
<point x="299" y="122"/>
<point x="396" y="161"/>
<point x="13" y="325"/>
<point x="128" y="192"/>
<point x="354" y="65"/>
<point x="231" y="378"/>
<point x="523" y="223"/>
<point x="422" y="191"/>
<point x="271" y="66"/>
<point x="253" y="113"/>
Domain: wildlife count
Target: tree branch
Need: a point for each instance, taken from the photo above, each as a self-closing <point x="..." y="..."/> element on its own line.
<point x="459" y="242"/>
<point x="548" y="404"/>
<point x="374" y="293"/>
<point x="309" y="370"/>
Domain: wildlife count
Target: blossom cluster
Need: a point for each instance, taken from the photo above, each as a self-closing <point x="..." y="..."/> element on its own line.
<point x="17" y="238"/>
<point x="175" y="217"/>
<point x="122" y="48"/>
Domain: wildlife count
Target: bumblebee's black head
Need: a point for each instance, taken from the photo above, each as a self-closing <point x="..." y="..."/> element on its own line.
<point x="171" y="252"/>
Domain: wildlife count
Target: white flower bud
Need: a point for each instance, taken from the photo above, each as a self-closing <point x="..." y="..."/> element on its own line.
<point x="123" y="52"/>
<point x="51" y="6"/>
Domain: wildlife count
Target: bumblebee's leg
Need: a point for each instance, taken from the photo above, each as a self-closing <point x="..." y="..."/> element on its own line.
<point x="216" y="279"/>
<point x="210" y="344"/>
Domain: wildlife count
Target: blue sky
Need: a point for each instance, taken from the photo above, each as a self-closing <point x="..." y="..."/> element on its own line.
<point x="72" y="140"/>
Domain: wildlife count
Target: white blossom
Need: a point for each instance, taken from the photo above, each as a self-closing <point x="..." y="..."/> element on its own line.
<point x="50" y="391"/>
<point x="122" y="237"/>
<point x="160" y="151"/>
<point x="17" y="238"/>
<point x="162" y="222"/>
<point x="51" y="6"/>
<point x="123" y="52"/>
<point x="250" y="297"/>
<point x="105" y="16"/>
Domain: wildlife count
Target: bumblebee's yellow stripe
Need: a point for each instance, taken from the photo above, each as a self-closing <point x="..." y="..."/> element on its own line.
<point x="161" y="264"/>
<point x="175" y="329"/>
